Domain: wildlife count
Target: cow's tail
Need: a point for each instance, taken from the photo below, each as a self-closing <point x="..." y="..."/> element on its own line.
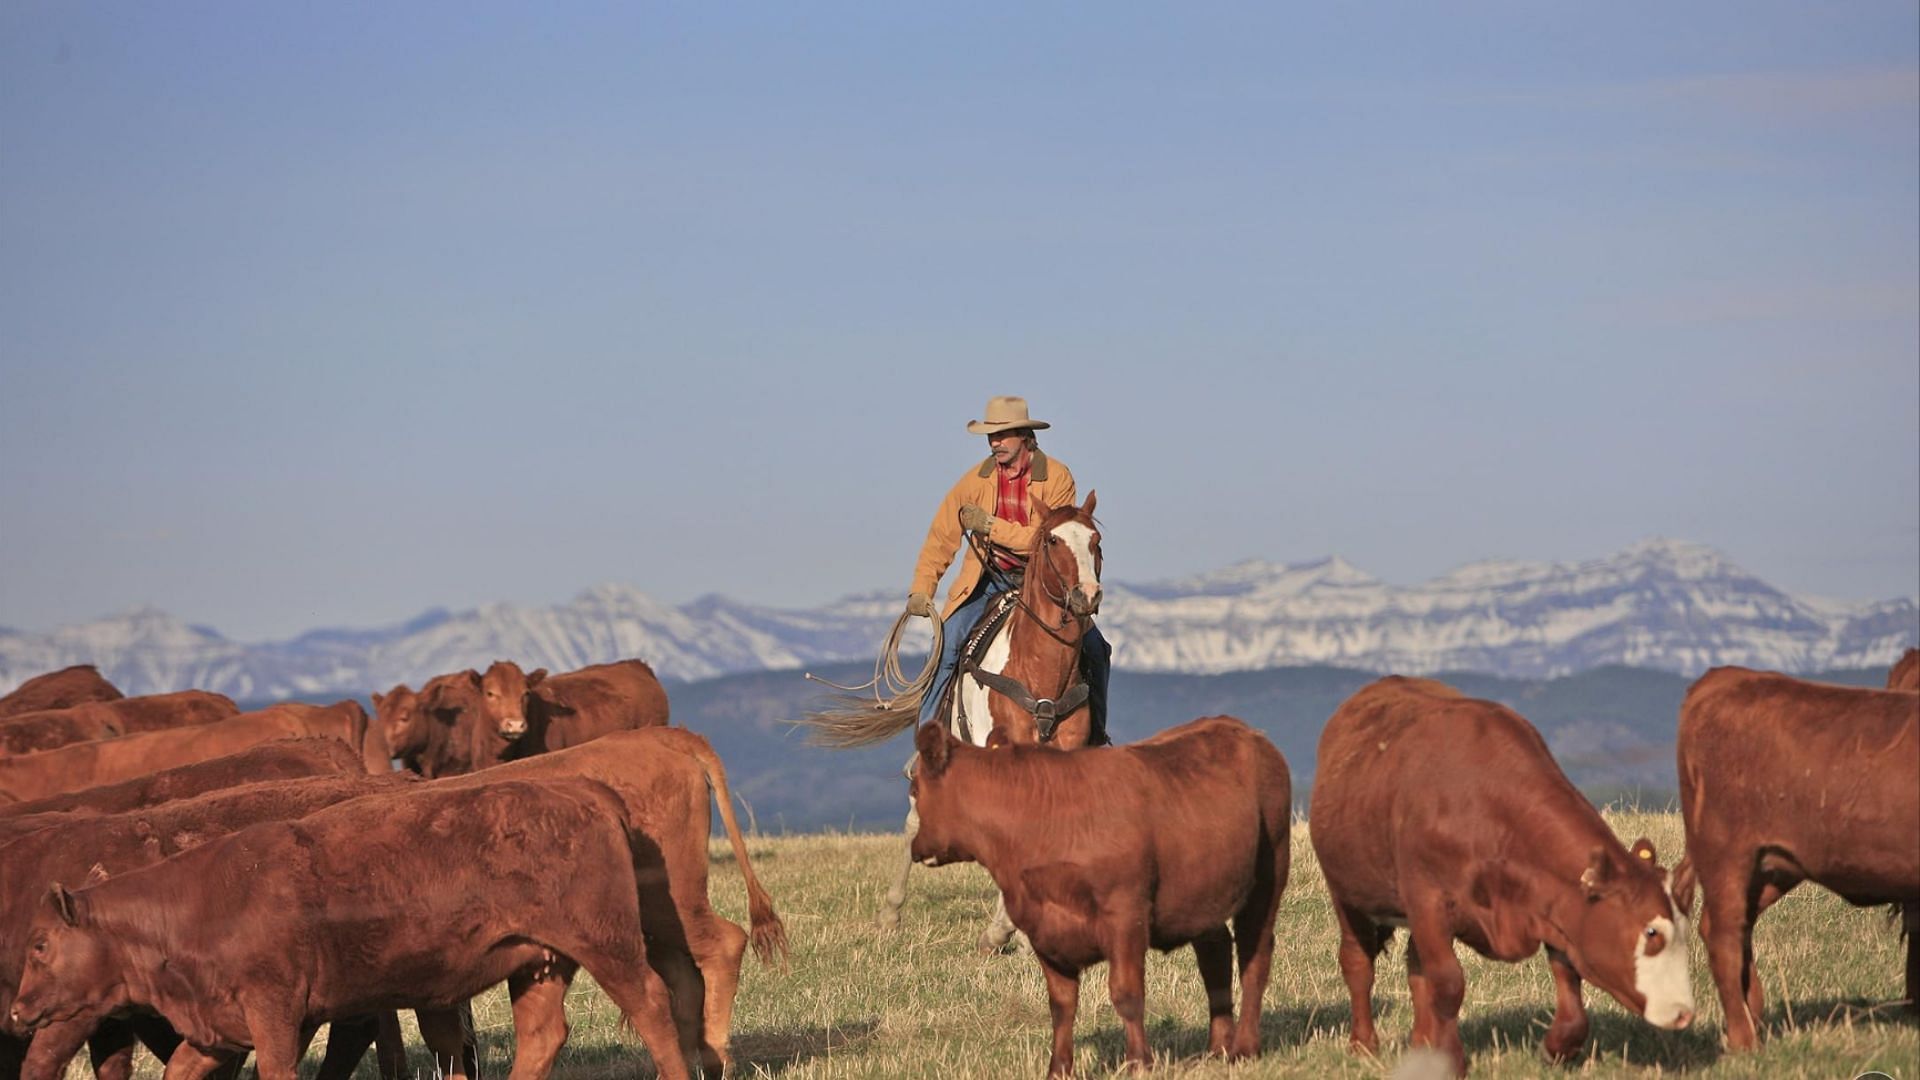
<point x="765" y="932"/>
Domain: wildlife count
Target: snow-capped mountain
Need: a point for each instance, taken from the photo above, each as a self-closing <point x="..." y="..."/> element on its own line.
<point x="1660" y="604"/>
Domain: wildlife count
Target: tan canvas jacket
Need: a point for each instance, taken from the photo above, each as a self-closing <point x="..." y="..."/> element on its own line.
<point x="1048" y="482"/>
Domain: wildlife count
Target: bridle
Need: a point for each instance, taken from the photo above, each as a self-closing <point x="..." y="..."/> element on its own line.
<point x="1046" y="712"/>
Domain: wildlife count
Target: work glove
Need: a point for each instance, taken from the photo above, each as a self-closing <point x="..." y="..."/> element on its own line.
<point x="920" y="604"/>
<point x="974" y="519"/>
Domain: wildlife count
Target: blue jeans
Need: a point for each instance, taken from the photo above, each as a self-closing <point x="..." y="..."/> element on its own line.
<point x="1096" y="661"/>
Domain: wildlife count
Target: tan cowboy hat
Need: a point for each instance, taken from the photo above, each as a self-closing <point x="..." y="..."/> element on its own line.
<point x="1005" y="414"/>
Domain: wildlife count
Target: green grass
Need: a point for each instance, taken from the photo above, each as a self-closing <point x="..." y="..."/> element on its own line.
<point x="922" y="1003"/>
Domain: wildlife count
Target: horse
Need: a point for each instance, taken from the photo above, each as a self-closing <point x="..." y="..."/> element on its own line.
<point x="999" y="699"/>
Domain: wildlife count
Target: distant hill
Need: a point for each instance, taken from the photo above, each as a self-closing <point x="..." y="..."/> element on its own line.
<point x="1662" y="605"/>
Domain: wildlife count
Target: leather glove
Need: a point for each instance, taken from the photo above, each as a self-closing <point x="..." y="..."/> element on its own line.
<point x="920" y="604"/>
<point x="974" y="519"/>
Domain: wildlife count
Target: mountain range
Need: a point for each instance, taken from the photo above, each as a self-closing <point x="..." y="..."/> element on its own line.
<point x="1664" y="605"/>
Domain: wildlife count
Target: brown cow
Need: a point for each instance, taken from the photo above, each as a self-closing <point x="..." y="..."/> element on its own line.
<point x="118" y="843"/>
<point x="571" y="708"/>
<point x="1906" y="672"/>
<point x="1101" y="853"/>
<point x="75" y="685"/>
<point x="519" y="877"/>
<point x="398" y="714"/>
<point x="1446" y="815"/>
<point x="279" y="760"/>
<point x="1784" y="781"/>
<point x="82" y="765"/>
<point x="468" y="721"/>
<point x="662" y="776"/>
<point x="50" y="728"/>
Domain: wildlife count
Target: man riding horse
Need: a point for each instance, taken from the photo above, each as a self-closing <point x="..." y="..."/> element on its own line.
<point x="1000" y="502"/>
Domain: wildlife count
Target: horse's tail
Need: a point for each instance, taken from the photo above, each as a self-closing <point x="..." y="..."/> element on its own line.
<point x="861" y="722"/>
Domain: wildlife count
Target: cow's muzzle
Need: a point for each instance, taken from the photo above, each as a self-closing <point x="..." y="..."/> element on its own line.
<point x="512" y="730"/>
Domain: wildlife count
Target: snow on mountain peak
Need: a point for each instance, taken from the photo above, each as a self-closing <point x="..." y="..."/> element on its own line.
<point x="1660" y="603"/>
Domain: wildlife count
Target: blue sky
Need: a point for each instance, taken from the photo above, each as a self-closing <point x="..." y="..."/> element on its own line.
<point x="323" y="315"/>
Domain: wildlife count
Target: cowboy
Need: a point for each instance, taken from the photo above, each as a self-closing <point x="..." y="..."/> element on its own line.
<point x="994" y="501"/>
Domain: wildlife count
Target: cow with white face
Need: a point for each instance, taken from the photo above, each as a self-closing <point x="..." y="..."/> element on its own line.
<point x="1446" y="816"/>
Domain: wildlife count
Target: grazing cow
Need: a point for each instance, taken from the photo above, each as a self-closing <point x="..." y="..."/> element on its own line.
<point x="59" y="689"/>
<point x="115" y="844"/>
<point x="50" y="729"/>
<point x="1906" y="673"/>
<point x="1101" y="853"/>
<point x="82" y="765"/>
<point x="1784" y="781"/>
<point x="662" y="776"/>
<point x="346" y="912"/>
<point x="1446" y="815"/>
<point x="47" y="729"/>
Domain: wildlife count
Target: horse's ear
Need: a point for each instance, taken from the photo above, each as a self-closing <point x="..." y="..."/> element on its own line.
<point x="934" y="745"/>
<point x="1087" y="507"/>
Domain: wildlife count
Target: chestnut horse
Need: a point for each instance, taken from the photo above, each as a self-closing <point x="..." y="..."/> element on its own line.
<point x="1025" y="688"/>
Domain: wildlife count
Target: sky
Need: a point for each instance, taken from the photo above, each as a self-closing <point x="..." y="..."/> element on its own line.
<point x="323" y="315"/>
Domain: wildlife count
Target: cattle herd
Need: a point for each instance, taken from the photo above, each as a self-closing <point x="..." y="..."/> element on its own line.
<point x="210" y="883"/>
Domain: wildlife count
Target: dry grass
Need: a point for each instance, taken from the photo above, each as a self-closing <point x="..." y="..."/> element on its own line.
<point x="921" y="1003"/>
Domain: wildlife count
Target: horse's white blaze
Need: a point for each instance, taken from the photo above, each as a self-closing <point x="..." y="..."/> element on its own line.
<point x="973" y="696"/>
<point x="1662" y="979"/>
<point x="1079" y="540"/>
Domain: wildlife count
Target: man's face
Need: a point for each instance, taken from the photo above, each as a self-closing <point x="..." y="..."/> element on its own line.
<point x="1007" y="445"/>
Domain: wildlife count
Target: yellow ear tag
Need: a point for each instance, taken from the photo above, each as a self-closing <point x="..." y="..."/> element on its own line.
<point x="1647" y="855"/>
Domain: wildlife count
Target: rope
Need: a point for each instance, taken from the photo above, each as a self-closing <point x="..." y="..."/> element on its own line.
<point x="890" y="684"/>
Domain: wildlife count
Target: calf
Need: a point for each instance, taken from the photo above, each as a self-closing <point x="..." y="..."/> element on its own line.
<point x="565" y="710"/>
<point x="1101" y="853"/>
<point x="115" y="844"/>
<point x="1784" y="781"/>
<point x="82" y="765"/>
<point x="1446" y="815"/>
<point x="59" y="689"/>
<point x="346" y="913"/>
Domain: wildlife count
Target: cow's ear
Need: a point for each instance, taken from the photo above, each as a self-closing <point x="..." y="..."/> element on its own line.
<point x="474" y="678"/>
<point x="534" y="676"/>
<point x="65" y="904"/>
<point x="377" y="699"/>
<point x="934" y="746"/>
<point x="1597" y="875"/>
<point x="1087" y="507"/>
<point x="1643" y="850"/>
<point x="997" y="738"/>
<point x="1682" y="885"/>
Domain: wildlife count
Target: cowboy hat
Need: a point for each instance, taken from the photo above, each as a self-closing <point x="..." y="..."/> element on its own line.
<point x="1005" y="414"/>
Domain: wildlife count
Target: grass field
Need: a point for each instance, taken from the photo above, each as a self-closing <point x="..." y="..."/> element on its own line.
<point x="922" y="1003"/>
